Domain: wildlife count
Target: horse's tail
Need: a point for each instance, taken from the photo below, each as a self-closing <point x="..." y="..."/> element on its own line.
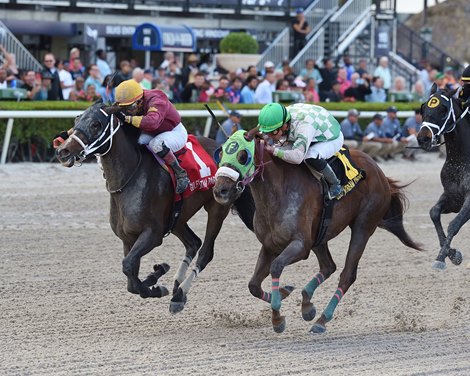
<point x="393" y="219"/>
<point x="244" y="206"/>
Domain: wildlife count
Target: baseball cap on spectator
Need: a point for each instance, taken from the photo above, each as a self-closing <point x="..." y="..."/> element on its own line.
<point x="269" y="64"/>
<point x="46" y="75"/>
<point x="236" y="114"/>
<point x="299" y="10"/>
<point x="192" y="58"/>
<point x="377" y="116"/>
<point x="353" y="112"/>
<point x="439" y="75"/>
<point x="299" y="82"/>
<point x="147" y="71"/>
<point x="392" y="109"/>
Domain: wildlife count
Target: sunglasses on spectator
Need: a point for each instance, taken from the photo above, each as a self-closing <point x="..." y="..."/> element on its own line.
<point x="48" y="61"/>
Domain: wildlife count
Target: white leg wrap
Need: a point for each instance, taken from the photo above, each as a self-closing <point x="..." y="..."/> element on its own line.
<point x="186" y="285"/>
<point x="181" y="272"/>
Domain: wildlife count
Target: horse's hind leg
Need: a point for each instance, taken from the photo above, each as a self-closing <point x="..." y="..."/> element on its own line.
<point x="215" y="218"/>
<point x="146" y="241"/>
<point x="359" y="237"/>
<point x="262" y="268"/>
<point x="454" y="227"/>
<point x="327" y="268"/>
<point x="192" y="243"/>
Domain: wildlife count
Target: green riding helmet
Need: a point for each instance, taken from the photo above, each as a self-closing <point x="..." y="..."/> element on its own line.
<point x="272" y="116"/>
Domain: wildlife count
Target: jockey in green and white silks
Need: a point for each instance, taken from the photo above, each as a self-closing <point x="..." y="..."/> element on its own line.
<point x="304" y="132"/>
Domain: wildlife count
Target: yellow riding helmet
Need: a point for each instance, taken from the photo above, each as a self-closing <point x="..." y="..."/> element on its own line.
<point x="128" y="92"/>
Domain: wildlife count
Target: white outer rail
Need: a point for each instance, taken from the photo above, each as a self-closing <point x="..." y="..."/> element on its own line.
<point x="11" y="115"/>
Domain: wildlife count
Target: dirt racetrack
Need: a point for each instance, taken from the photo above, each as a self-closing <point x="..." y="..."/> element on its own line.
<point x="65" y="309"/>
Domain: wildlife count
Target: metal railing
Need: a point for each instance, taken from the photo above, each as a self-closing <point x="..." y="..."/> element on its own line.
<point x="23" y="58"/>
<point x="318" y="12"/>
<point x="414" y="48"/>
<point x="278" y="50"/>
<point x="314" y="49"/>
<point x="401" y="67"/>
<point x="343" y="22"/>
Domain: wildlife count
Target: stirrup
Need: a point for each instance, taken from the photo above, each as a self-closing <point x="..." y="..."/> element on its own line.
<point x="334" y="191"/>
<point x="182" y="183"/>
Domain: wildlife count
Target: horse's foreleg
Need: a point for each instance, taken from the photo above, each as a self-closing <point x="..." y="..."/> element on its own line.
<point x="327" y="268"/>
<point x="294" y="252"/>
<point x="216" y="216"/>
<point x="454" y="227"/>
<point x="435" y="214"/>
<point x="359" y="238"/>
<point x="192" y="243"/>
<point x="146" y="241"/>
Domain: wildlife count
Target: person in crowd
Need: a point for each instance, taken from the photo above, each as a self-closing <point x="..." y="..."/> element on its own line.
<point x="410" y="130"/>
<point x="287" y="71"/>
<point x="384" y="72"/>
<point x="138" y="76"/>
<point x="374" y="132"/>
<point x="399" y="92"/>
<point x="234" y="91"/>
<point x="45" y="86"/>
<point x="147" y="78"/>
<point x="229" y="127"/>
<point x="362" y="68"/>
<point x="220" y="93"/>
<point x="75" y="55"/>
<point x="76" y="68"/>
<point x="334" y="95"/>
<point x="159" y="122"/>
<point x="248" y="91"/>
<point x="425" y="76"/>
<point x="264" y="91"/>
<point x="310" y="91"/>
<point x="188" y="72"/>
<point x="94" y="77"/>
<point x="269" y="67"/>
<point x="348" y="65"/>
<point x="310" y="134"/>
<point x="208" y="67"/>
<point x="168" y="58"/>
<point x="344" y="82"/>
<point x="160" y="73"/>
<point x="329" y="75"/>
<point x="358" y="90"/>
<point x="439" y="79"/>
<point x="66" y="80"/>
<point x="419" y="92"/>
<point x="4" y="83"/>
<point x="378" y="94"/>
<point x="102" y="64"/>
<point x="207" y="90"/>
<point x="78" y="92"/>
<point x="354" y="136"/>
<point x="282" y="85"/>
<point x="31" y="84"/>
<point x="106" y="90"/>
<point x="124" y="73"/>
<point x="253" y="71"/>
<point x="91" y="93"/>
<point x="9" y="64"/>
<point x="450" y="81"/>
<point x="192" y="91"/>
<point x="173" y="88"/>
<point x="300" y="30"/>
<point x="311" y="71"/>
<point x="55" y="91"/>
<point x="392" y="129"/>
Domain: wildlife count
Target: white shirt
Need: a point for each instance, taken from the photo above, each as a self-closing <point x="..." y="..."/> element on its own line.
<point x="264" y="92"/>
<point x="66" y="79"/>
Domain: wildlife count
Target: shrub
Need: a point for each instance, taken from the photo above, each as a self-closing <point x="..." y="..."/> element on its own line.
<point x="238" y="43"/>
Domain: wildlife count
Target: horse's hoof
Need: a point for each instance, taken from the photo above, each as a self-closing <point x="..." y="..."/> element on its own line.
<point x="317" y="329"/>
<point x="308" y="312"/>
<point x="158" y="271"/>
<point x="456" y="257"/>
<point x="286" y="291"/>
<point x="178" y="301"/>
<point x="439" y="265"/>
<point x="176" y="286"/>
<point x="162" y="268"/>
<point x="159" y="291"/>
<point x="176" y="307"/>
<point x="281" y="326"/>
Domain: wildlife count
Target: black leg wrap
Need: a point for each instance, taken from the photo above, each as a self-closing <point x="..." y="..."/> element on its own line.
<point x="164" y="151"/>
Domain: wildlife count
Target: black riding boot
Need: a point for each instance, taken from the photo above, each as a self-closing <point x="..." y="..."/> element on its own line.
<point x="325" y="169"/>
<point x="182" y="180"/>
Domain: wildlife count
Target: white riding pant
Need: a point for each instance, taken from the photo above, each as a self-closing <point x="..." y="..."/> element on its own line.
<point x="325" y="149"/>
<point x="174" y="139"/>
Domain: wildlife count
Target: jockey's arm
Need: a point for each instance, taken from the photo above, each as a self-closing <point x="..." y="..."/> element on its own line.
<point x="154" y="117"/>
<point x="296" y="154"/>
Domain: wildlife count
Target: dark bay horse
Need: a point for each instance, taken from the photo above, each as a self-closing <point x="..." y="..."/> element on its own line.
<point x="288" y="206"/>
<point x="443" y="116"/>
<point x="142" y="198"/>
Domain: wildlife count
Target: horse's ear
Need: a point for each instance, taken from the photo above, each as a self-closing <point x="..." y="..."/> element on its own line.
<point x="433" y="88"/>
<point x="99" y="101"/>
<point x="112" y="109"/>
<point x="251" y="133"/>
<point x="452" y="92"/>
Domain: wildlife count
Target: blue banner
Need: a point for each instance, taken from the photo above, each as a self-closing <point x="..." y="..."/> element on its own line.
<point x="150" y="37"/>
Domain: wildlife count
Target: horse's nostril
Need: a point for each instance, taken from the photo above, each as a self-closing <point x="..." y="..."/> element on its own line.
<point x="223" y="192"/>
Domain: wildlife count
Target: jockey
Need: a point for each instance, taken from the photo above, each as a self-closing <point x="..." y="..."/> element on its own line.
<point x="159" y="121"/>
<point x="464" y="91"/>
<point x="313" y="135"/>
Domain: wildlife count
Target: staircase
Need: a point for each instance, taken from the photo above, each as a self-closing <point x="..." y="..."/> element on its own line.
<point x="23" y="57"/>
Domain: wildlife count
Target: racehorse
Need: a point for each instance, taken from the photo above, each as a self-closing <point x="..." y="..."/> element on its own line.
<point x="289" y="203"/>
<point x="443" y="116"/>
<point x="142" y="199"/>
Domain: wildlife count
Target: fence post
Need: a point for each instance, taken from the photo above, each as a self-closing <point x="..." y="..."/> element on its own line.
<point x="6" y="141"/>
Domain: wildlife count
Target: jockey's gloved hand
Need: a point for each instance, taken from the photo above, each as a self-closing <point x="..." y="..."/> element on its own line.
<point x="120" y="116"/>
<point x="59" y="139"/>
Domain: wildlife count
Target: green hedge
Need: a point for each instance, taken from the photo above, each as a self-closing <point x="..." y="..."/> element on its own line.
<point x="43" y="130"/>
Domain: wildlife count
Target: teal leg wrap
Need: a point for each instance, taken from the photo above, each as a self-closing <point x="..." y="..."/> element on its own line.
<point x="330" y="309"/>
<point x="314" y="283"/>
<point x="276" y="295"/>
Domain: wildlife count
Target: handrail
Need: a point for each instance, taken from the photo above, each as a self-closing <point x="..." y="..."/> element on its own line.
<point x="318" y="12"/>
<point x="278" y="50"/>
<point x="314" y="49"/>
<point x="23" y="58"/>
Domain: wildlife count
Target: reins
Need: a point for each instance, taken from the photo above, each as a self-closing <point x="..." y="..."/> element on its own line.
<point x="130" y="177"/>
<point x="259" y="170"/>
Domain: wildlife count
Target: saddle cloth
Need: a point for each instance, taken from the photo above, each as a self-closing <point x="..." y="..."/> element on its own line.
<point x="346" y="171"/>
<point x="199" y="166"/>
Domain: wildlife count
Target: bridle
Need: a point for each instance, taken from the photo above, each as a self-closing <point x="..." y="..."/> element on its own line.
<point x="451" y="117"/>
<point x="107" y="124"/>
